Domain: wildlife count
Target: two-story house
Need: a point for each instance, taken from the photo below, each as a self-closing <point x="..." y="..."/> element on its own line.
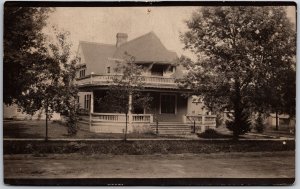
<point x="170" y="111"/>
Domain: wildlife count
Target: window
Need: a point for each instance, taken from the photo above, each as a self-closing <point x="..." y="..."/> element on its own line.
<point x="168" y="104"/>
<point x="108" y="70"/>
<point x="157" y="70"/>
<point x="87" y="102"/>
<point x="82" y="73"/>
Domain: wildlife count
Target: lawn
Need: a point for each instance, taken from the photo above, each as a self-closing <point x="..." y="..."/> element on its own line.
<point x="36" y="129"/>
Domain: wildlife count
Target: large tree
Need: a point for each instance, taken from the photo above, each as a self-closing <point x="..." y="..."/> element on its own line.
<point x="38" y="70"/>
<point x="240" y="51"/>
<point x="54" y="90"/>
<point x="23" y="46"/>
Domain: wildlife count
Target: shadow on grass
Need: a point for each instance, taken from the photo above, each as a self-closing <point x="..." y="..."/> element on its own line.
<point x="19" y="130"/>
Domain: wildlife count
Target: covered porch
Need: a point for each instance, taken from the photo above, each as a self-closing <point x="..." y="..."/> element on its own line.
<point x="167" y="113"/>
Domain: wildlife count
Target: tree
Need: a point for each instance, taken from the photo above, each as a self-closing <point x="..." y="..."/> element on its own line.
<point x="23" y="46"/>
<point x="240" y="51"/>
<point x="38" y="72"/>
<point x="54" y="89"/>
<point x="124" y="93"/>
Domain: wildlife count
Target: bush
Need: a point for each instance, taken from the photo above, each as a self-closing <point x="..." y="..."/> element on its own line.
<point x="240" y="126"/>
<point x="259" y="125"/>
<point x="211" y="133"/>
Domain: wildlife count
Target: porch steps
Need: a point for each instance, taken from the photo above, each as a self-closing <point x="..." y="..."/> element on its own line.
<point x="172" y="128"/>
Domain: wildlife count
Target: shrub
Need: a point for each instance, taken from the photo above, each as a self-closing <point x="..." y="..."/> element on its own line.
<point x="240" y="126"/>
<point x="211" y="133"/>
<point x="72" y="122"/>
<point x="259" y="126"/>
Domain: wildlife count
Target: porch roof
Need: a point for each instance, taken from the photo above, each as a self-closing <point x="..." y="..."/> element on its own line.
<point x="91" y="87"/>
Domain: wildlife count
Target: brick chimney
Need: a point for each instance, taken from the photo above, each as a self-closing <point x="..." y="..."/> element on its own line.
<point x="121" y="39"/>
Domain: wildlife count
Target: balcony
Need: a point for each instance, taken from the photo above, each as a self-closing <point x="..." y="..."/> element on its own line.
<point x="148" y="81"/>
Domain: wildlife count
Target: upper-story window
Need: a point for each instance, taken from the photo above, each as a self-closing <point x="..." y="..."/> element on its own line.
<point x="108" y="70"/>
<point x="157" y="70"/>
<point x="82" y="73"/>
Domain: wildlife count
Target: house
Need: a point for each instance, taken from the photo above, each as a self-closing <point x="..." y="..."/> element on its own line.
<point x="15" y="113"/>
<point x="285" y="122"/>
<point x="170" y="111"/>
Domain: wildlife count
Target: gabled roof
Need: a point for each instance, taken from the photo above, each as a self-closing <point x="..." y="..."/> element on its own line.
<point x="146" y="48"/>
<point x="96" y="52"/>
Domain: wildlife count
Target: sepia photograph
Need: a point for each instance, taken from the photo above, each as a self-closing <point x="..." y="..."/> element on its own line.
<point x="149" y="93"/>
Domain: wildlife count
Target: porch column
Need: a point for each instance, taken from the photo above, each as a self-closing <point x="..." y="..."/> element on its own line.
<point x="91" y="108"/>
<point x="203" y="122"/>
<point x="130" y="113"/>
<point x="92" y="102"/>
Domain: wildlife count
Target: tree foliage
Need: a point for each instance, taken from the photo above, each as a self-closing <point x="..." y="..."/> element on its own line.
<point x="242" y="53"/>
<point x="55" y="90"/>
<point x="23" y="48"/>
<point x="127" y="80"/>
<point x="39" y="72"/>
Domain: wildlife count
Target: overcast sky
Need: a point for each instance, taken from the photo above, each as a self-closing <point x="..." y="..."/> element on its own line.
<point x="101" y="24"/>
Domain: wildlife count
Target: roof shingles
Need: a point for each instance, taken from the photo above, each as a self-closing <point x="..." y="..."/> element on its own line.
<point x="146" y="48"/>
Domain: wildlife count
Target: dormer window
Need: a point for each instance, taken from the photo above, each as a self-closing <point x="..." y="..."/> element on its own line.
<point x="157" y="70"/>
<point x="82" y="73"/>
<point x="108" y="70"/>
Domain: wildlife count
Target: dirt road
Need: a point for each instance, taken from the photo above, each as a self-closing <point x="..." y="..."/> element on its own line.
<point x="220" y="165"/>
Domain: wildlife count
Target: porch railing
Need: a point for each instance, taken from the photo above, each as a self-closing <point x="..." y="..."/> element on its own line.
<point x="116" y="117"/>
<point x="208" y="120"/>
<point x="142" y="118"/>
<point x="108" y="117"/>
<point x="106" y="79"/>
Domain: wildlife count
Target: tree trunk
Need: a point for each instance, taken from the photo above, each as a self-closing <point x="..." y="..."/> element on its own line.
<point x="237" y="110"/>
<point x="125" y="134"/>
<point x="276" y="120"/>
<point x="46" y="111"/>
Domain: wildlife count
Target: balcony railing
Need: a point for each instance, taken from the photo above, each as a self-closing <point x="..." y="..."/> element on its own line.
<point x="155" y="81"/>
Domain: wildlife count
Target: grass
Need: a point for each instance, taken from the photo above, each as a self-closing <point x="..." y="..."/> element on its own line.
<point x="36" y="129"/>
<point x="144" y="147"/>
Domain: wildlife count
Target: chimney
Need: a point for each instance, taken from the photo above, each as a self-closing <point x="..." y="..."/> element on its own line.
<point x="121" y="39"/>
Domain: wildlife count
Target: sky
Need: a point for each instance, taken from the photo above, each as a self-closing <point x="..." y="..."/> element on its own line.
<point x="101" y="24"/>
